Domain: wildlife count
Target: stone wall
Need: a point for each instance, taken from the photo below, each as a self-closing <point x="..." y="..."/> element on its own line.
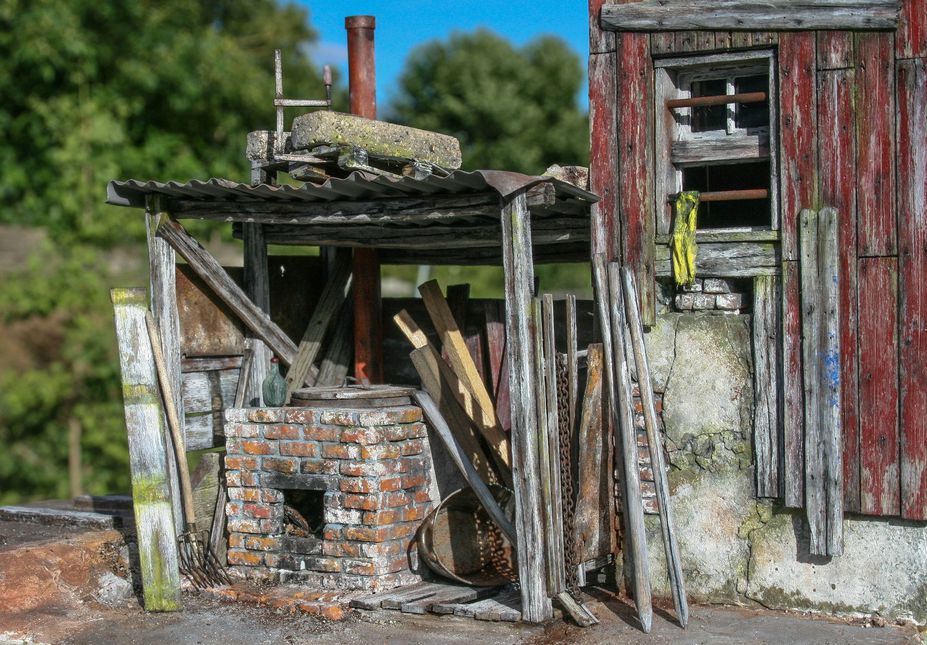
<point x="371" y="469"/>
<point x="734" y="547"/>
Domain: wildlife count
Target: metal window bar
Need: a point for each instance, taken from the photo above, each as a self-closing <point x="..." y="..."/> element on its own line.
<point x="721" y="99"/>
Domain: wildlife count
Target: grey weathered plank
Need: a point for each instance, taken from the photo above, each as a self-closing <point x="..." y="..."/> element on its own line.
<point x="439" y="425"/>
<point x="257" y="286"/>
<point x="336" y="363"/>
<point x="617" y="378"/>
<point x="440" y="593"/>
<point x="695" y="152"/>
<point x="828" y="365"/>
<point x="212" y="273"/>
<point x="205" y="396"/>
<point x="655" y="446"/>
<point x="753" y="15"/>
<point x="163" y="295"/>
<point x="718" y="259"/>
<point x="209" y="363"/>
<point x="519" y="285"/>
<point x="767" y="383"/>
<point x="60" y="517"/>
<point x="504" y="608"/>
<point x="393" y="599"/>
<point x="549" y="441"/>
<point x="815" y="469"/>
<point x="310" y="345"/>
<point x="157" y="548"/>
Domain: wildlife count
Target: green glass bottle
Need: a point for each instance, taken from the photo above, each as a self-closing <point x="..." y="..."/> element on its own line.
<point x="274" y="386"/>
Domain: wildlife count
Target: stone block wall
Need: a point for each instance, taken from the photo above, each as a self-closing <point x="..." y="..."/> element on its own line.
<point x="372" y="466"/>
<point x="713" y="294"/>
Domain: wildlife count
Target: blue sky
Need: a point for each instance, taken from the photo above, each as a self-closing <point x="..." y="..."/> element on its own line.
<point x="403" y="24"/>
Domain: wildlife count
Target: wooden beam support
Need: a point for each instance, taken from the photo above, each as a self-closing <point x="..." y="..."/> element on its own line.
<point x="212" y="273"/>
<point x="368" y="317"/>
<point x="151" y="498"/>
<point x="751" y="15"/>
<point x="519" y="286"/>
<point x="257" y="286"/>
<point x="767" y="384"/>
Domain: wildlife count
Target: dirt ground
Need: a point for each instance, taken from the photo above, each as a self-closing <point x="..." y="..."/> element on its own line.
<point x="51" y="591"/>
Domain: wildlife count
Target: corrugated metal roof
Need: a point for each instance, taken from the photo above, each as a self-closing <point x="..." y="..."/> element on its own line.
<point x="356" y="187"/>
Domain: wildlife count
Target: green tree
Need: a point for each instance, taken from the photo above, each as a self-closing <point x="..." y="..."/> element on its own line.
<point x="512" y="109"/>
<point x="93" y="91"/>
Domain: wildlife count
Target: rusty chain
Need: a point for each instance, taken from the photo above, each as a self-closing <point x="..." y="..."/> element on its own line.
<point x="566" y="474"/>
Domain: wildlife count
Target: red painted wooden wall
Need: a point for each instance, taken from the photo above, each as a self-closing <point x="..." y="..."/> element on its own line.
<point x="852" y="134"/>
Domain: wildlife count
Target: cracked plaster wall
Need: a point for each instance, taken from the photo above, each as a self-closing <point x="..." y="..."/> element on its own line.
<point x="733" y="547"/>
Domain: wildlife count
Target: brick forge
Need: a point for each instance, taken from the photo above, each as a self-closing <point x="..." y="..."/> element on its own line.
<point x="366" y="470"/>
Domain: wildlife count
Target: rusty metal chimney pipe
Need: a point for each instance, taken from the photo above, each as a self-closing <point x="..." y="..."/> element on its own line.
<point x="368" y="303"/>
<point x="362" y="74"/>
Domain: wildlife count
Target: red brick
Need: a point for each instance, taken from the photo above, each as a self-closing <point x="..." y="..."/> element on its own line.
<point x="421" y="497"/>
<point x="249" y="479"/>
<point x="325" y="565"/>
<point x="394" y="564"/>
<point x="245" y="494"/>
<point x="243" y="430"/>
<point x="412" y="464"/>
<point x="401" y="531"/>
<point x="271" y="495"/>
<point x="299" y="448"/>
<point x="266" y="415"/>
<point x="245" y="558"/>
<point x="339" y="451"/>
<point x="233" y="447"/>
<point x="241" y="463"/>
<point x="233" y="508"/>
<point x="412" y="447"/>
<point x="414" y="513"/>
<point x="391" y="484"/>
<point x="392" y="500"/>
<point x="236" y="541"/>
<point x="259" y="511"/>
<point x="411" y="481"/>
<point x="381" y="518"/>
<point x="363" y="436"/>
<point x="239" y="525"/>
<point x="374" y="549"/>
<point x="281" y="465"/>
<point x="331" y="532"/>
<point x="262" y="543"/>
<point x="366" y="534"/>
<point x="320" y="466"/>
<point x="360" y="567"/>
<point x="358" y="485"/>
<point x="334" y="549"/>
<point x="253" y="447"/>
<point x="380" y="451"/>
<point x="270" y="527"/>
<point x="363" y="502"/>
<point x="301" y="415"/>
<point x="322" y="433"/>
<point x="283" y="431"/>
<point x="232" y="478"/>
<point x="362" y="469"/>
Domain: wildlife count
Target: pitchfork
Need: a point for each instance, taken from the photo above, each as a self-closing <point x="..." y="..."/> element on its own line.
<point x="197" y="560"/>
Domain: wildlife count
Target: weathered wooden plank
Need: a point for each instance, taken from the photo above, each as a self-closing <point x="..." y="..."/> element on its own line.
<point x="911" y="36"/>
<point x="310" y="345"/>
<point x="770" y="15"/>
<point x="154" y="525"/>
<point x="551" y="437"/>
<point x="793" y="406"/>
<point x="519" y="285"/>
<point x="206" y="395"/>
<point x="462" y="363"/>
<point x="879" y="457"/>
<point x="661" y="42"/>
<point x="720" y="259"/>
<point x="811" y="305"/>
<point x="831" y="373"/>
<point x="767" y="384"/>
<point x="504" y="608"/>
<point x="834" y="50"/>
<point x="655" y="449"/>
<point x="337" y="359"/>
<point x="912" y="257"/>
<point x="256" y="282"/>
<point x="667" y="180"/>
<point x="215" y="276"/>
<point x="622" y="403"/>
<point x="603" y="153"/>
<point x="838" y="176"/>
<point x="209" y="363"/>
<point x="635" y="167"/>
<point x="595" y="536"/>
<point x="600" y="40"/>
<point x="572" y="354"/>
<point x="161" y="278"/>
<point x="797" y="134"/>
<point x="693" y="152"/>
<point x="446" y="594"/>
<point x="875" y="144"/>
<point x="685" y="41"/>
<point x="498" y="366"/>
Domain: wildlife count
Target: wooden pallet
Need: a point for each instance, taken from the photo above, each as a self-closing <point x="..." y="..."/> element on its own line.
<point x="481" y="603"/>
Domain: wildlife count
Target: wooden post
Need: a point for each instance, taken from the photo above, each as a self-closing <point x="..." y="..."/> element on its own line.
<point x="524" y="389"/>
<point x="151" y="498"/>
<point x="551" y="437"/>
<point x="766" y="384"/>
<point x="257" y="286"/>
<point x="162" y="277"/>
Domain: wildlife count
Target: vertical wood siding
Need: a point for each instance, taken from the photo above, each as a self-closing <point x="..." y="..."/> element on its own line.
<point x="837" y="173"/>
<point x="878" y="387"/>
<point x="835" y="49"/>
<point x="911" y="35"/>
<point x="912" y="222"/>
<point x="635" y="163"/>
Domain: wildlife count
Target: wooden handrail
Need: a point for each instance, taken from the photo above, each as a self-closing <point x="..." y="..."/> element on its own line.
<point x="722" y="99"/>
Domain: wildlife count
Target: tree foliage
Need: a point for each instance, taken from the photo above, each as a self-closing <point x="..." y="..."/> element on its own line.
<point x="512" y="109"/>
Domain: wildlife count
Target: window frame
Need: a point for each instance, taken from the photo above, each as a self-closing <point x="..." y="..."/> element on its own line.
<point x="677" y="147"/>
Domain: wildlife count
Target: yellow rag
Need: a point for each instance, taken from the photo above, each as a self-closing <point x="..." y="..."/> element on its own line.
<point x="684" y="247"/>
